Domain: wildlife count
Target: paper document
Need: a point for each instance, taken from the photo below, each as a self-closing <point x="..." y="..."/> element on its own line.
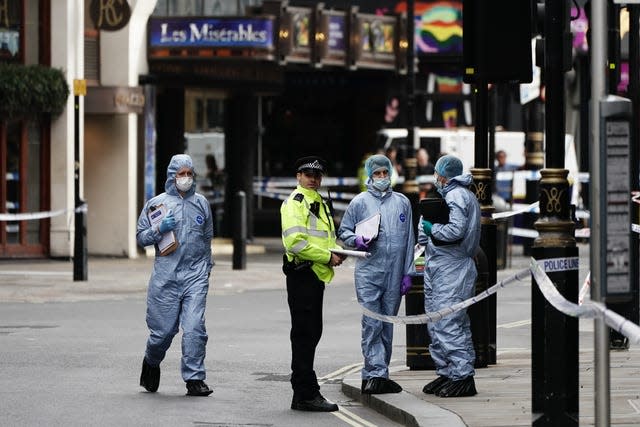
<point x="359" y="254"/>
<point x="168" y="243"/>
<point x="369" y="227"/>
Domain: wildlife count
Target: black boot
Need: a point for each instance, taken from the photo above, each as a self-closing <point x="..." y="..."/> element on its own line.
<point x="198" y="388"/>
<point x="379" y="385"/>
<point x="460" y="388"/>
<point x="317" y="404"/>
<point x="435" y="385"/>
<point x="150" y="376"/>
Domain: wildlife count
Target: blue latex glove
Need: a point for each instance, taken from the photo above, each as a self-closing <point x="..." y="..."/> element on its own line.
<point x="362" y="243"/>
<point x="426" y="226"/>
<point x="405" y="285"/>
<point x="168" y="223"/>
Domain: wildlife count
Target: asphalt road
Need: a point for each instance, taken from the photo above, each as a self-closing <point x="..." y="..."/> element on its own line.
<point x="78" y="362"/>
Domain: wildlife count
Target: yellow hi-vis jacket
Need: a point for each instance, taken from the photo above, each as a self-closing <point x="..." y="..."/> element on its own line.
<point x="307" y="236"/>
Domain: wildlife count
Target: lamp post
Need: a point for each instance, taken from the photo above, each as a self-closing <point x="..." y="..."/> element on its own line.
<point x="410" y="186"/>
<point x="80" y="223"/>
<point x="555" y="387"/>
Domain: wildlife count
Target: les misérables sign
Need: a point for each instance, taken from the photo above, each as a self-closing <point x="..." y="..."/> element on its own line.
<point x="110" y="15"/>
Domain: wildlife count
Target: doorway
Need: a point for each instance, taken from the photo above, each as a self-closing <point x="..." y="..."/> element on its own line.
<point x="24" y="178"/>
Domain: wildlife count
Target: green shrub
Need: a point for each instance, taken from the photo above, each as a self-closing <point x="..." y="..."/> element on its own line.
<point x="31" y="90"/>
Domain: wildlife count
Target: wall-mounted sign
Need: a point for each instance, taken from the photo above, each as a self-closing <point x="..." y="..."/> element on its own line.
<point x="114" y="100"/>
<point x="334" y="27"/>
<point x="173" y="37"/>
<point x="375" y="41"/>
<point x="110" y="15"/>
<point x="296" y="34"/>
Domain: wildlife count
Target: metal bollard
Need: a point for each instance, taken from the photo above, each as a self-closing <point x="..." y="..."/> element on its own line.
<point x="480" y="315"/>
<point x="240" y="231"/>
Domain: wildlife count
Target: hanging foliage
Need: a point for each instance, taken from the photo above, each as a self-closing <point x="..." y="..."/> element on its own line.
<point x="31" y="90"/>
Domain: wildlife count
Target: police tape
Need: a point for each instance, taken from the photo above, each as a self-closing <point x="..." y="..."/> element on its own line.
<point x="434" y="316"/>
<point x="519" y="208"/>
<point x="268" y="183"/>
<point x="589" y="309"/>
<point x="533" y="208"/>
<point x="27" y="216"/>
<point x="284" y="196"/>
<point x="583" y="233"/>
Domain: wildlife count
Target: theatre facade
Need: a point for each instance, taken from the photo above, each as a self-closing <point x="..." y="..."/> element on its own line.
<point x="260" y="86"/>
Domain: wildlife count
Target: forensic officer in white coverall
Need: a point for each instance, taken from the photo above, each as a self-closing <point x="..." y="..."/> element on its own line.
<point x="449" y="278"/>
<point x="179" y="282"/>
<point x="382" y="279"/>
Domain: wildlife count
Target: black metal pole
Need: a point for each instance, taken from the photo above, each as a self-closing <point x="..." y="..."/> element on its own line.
<point x="410" y="186"/>
<point x="80" y="224"/>
<point x="240" y="231"/>
<point x="555" y="380"/>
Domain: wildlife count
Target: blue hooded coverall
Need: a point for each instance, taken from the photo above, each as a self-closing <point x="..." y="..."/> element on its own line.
<point x="378" y="278"/>
<point x="449" y="278"/>
<point x="180" y="280"/>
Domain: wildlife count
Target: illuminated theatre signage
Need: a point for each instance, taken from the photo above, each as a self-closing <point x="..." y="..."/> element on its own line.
<point x="375" y="41"/>
<point x="211" y="37"/>
<point x="333" y="24"/>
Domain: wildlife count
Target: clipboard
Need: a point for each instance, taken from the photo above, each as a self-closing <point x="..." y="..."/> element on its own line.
<point x="369" y="227"/>
<point x="434" y="210"/>
<point x="168" y="243"/>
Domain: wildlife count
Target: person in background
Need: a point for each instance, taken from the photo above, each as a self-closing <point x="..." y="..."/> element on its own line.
<point x="449" y="278"/>
<point x="425" y="167"/>
<point x="392" y="154"/>
<point x="504" y="185"/>
<point x="308" y="234"/>
<point x="179" y="283"/>
<point x="383" y="278"/>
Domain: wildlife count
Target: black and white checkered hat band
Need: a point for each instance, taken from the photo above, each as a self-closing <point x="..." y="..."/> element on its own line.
<point x="313" y="165"/>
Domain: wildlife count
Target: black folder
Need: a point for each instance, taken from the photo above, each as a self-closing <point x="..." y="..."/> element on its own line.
<point x="434" y="210"/>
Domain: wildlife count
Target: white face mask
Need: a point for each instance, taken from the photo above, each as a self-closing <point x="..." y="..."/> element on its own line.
<point x="184" y="183"/>
<point x="382" y="184"/>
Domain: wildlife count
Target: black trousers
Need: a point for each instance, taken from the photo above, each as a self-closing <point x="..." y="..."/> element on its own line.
<point x="304" y="295"/>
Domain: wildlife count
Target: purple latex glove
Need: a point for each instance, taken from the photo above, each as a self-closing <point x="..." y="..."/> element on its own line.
<point x="405" y="285"/>
<point x="362" y="243"/>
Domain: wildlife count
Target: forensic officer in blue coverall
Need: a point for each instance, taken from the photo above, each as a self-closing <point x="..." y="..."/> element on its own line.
<point x="449" y="278"/>
<point x="179" y="282"/>
<point x="382" y="279"/>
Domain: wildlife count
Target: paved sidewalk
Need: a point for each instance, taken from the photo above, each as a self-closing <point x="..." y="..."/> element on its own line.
<point x="36" y="281"/>
<point x="504" y="389"/>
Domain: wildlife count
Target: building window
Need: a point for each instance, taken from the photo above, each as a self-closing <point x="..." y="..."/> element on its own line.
<point x="204" y="110"/>
<point x="11" y="31"/>
<point x="203" y="7"/>
<point x="91" y="48"/>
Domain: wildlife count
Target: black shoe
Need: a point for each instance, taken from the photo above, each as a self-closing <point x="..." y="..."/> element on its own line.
<point x="317" y="404"/>
<point x="460" y="388"/>
<point x="198" y="388"/>
<point x="435" y="385"/>
<point x="379" y="385"/>
<point x="619" y="343"/>
<point x="150" y="377"/>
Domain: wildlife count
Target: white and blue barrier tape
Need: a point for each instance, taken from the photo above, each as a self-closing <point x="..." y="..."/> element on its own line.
<point x="26" y="216"/>
<point x="589" y="309"/>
